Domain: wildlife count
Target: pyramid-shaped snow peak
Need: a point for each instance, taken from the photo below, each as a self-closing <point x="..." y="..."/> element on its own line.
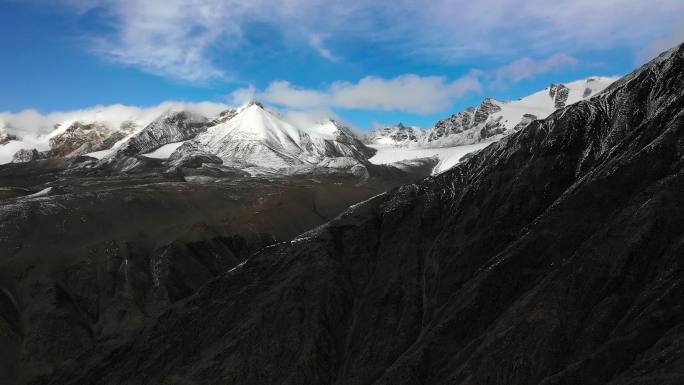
<point x="259" y="137"/>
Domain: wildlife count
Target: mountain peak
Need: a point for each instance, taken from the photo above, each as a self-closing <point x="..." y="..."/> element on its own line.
<point x="255" y="102"/>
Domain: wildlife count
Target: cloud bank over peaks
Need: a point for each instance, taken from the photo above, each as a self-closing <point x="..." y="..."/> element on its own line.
<point x="30" y="123"/>
<point x="408" y="93"/>
<point x="411" y="93"/>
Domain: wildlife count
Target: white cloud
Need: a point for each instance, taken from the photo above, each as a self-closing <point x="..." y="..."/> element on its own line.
<point x="31" y="124"/>
<point x="410" y="93"/>
<point x="170" y="37"/>
<point x="182" y="39"/>
<point x="242" y="96"/>
<point x="283" y="93"/>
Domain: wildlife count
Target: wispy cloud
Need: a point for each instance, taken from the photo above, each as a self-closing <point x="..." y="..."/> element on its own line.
<point x="660" y="44"/>
<point x="526" y="68"/>
<point x="316" y="41"/>
<point x="182" y="39"/>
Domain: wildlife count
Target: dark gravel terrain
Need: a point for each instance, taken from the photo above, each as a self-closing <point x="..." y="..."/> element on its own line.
<point x="88" y="255"/>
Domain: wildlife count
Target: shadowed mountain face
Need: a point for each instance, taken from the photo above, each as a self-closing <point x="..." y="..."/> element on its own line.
<point x="87" y="257"/>
<point x="551" y="257"/>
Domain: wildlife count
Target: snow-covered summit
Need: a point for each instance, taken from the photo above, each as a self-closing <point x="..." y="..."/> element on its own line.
<point x="259" y="137"/>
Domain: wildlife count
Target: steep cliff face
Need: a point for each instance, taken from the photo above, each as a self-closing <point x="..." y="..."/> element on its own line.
<point x="173" y="126"/>
<point x="454" y="124"/>
<point x="551" y="257"/>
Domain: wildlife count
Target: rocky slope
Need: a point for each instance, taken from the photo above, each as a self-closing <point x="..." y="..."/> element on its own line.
<point x="492" y="119"/>
<point x="553" y="256"/>
<point x="83" y="138"/>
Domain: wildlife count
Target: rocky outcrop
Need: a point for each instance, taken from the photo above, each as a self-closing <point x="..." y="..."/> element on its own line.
<point x="398" y="134"/>
<point x="526" y="120"/>
<point x="27" y="155"/>
<point x="487" y="108"/>
<point x="492" y="128"/>
<point x="559" y="94"/>
<point x="469" y="119"/>
<point x="550" y="257"/>
<point x="455" y="124"/>
<point x="224" y="116"/>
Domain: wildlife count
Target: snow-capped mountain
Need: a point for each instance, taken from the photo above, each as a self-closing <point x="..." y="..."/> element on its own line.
<point x="91" y="131"/>
<point x="259" y="137"/>
<point x="256" y="136"/>
<point x="475" y="128"/>
<point x="492" y="119"/>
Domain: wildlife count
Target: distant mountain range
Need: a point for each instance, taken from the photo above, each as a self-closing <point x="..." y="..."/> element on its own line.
<point x="260" y="139"/>
<point x="492" y="119"/>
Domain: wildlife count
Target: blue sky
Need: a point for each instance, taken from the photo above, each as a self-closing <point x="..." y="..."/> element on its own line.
<point x="369" y="62"/>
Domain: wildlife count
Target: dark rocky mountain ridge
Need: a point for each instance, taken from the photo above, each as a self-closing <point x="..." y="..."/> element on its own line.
<point x="553" y="256"/>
